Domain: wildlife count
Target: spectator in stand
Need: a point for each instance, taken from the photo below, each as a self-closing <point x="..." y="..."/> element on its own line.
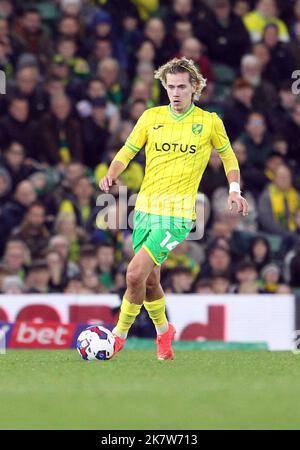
<point x="70" y="7"/>
<point x="203" y="286"/>
<point x="245" y="272"/>
<point x="7" y="9"/>
<point x="105" y="266"/>
<point x="181" y="280"/>
<point x="54" y="87"/>
<point x="70" y="27"/>
<point x="73" y="172"/>
<point x="102" y="48"/>
<point x="38" y="277"/>
<point x="140" y="90"/>
<point x="102" y="26"/>
<point x="273" y="161"/>
<point x="281" y="58"/>
<point x="257" y="140"/>
<point x="220" y="285"/>
<point x="145" y="73"/>
<point x="95" y="133"/>
<point x="58" y="276"/>
<point x="218" y="263"/>
<point x="182" y="30"/>
<point x="253" y="177"/>
<point x="13" y="285"/>
<point x="260" y="252"/>
<point x="33" y="231"/>
<point x="17" y="126"/>
<point x="75" y="286"/>
<point x="14" y="162"/>
<point x="60" y="72"/>
<point x="91" y="281"/>
<point x="238" y="108"/>
<point x="67" y="49"/>
<point x="60" y="133"/>
<point x="44" y="183"/>
<point x="88" y="260"/>
<point x="13" y="211"/>
<point x="241" y="8"/>
<point x="227" y="228"/>
<point x="109" y="71"/>
<point x="16" y="258"/>
<point x="278" y="204"/>
<point x="271" y="277"/>
<point x="280" y="145"/>
<point x="269" y="71"/>
<point x="96" y="89"/>
<point x="27" y="85"/>
<point x="265" y="96"/>
<point x="34" y="39"/>
<point x="144" y="52"/>
<point x="155" y="31"/>
<point x="81" y="203"/>
<point x="119" y="284"/>
<point x="265" y="12"/>
<point x="224" y="34"/>
<point x="65" y="225"/>
<point x="291" y="132"/>
<point x="180" y="10"/>
<point x="193" y="49"/>
<point x="61" y="245"/>
<point x="131" y="33"/>
<point x="284" y="109"/>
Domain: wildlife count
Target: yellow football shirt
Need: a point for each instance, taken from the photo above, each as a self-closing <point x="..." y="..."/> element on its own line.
<point x="177" y="149"/>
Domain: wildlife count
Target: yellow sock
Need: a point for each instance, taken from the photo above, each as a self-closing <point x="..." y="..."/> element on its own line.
<point x="127" y="316"/>
<point x="157" y="313"/>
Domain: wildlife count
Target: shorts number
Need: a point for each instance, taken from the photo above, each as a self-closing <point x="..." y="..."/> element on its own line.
<point x="170" y="245"/>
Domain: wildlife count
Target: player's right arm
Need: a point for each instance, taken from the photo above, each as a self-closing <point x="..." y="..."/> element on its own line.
<point x="114" y="171"/>
<point x="134" y="143"/>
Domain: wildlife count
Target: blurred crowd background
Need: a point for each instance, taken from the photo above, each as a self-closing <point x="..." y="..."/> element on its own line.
<point x="79" y="73"/>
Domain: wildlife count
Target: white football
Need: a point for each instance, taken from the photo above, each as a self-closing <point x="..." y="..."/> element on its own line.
<point x="96" y="343"/>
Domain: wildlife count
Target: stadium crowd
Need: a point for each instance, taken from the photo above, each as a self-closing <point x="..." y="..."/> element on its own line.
<point x="79" y="73"/>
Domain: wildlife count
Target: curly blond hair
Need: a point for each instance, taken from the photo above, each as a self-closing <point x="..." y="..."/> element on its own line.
<point x="181" y="65"/>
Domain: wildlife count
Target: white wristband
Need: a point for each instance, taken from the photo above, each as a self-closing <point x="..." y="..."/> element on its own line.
<point x="234" y="187"/>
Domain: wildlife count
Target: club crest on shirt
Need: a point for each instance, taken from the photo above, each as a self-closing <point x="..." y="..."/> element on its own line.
<point x="197" y="128"/>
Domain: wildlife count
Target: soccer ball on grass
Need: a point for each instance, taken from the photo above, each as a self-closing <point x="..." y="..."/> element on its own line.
<point x="96" y="343"/>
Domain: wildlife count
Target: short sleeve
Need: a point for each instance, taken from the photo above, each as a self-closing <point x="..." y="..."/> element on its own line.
<point x="138" y="137"/>
<point x="219" y="138"/>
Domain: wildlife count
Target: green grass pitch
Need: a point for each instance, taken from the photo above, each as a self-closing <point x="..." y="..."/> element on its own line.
<point x="47" y="389"/>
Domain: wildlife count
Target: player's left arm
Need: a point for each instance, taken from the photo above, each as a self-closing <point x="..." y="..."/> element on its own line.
<point x="234" y="196"/>
<point x="222" y="144"/>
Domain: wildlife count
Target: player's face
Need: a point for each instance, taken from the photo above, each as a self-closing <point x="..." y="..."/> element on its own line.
<point x="180" y="91"/>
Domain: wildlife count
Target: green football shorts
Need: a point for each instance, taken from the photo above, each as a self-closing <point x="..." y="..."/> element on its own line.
<point x="158" y="235"/>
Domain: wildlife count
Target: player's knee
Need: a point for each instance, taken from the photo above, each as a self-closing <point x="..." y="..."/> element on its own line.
<point x="134" y="277"/>
<point x="152" y="282"/>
